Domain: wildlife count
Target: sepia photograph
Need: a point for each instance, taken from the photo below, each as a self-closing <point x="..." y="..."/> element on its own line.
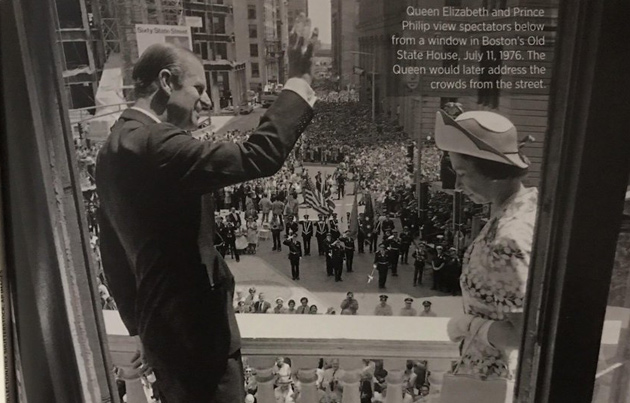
<point x="315" y="201"/>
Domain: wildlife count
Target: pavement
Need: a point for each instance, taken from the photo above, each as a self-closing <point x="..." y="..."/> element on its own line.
<point x="270" y="272"/>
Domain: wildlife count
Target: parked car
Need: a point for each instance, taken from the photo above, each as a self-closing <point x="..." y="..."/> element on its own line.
<point x="246" y="108"/>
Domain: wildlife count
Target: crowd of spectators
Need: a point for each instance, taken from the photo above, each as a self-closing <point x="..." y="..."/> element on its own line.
<point x="332" y="383"/>
<point x="257" y="302"/>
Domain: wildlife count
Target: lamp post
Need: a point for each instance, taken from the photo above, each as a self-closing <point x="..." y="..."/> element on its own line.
<point x="373" y="72"/>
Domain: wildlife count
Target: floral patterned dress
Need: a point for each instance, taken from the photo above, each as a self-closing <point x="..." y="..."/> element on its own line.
<point x="494" y="278"/>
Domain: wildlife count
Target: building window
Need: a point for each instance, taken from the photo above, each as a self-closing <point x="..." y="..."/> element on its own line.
<point x="204" y="50"/>
<point x="253" y="50"/>
<point x="253" y="31"/>
<point x="251" y="12"/>
<point x="220" y="50"/>
<point x="255" y="70"/>
<point x="218" y="24"/>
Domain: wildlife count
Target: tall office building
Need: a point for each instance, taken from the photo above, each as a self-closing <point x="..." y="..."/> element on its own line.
<point x="261" y="38"/>
<point x="213" y="30"/>
<point x="344" y="41"/>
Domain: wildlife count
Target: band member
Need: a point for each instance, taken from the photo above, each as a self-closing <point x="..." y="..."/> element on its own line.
<point x="381" y="263"/>
<point x="361" y="235"/>
<point x="338" y="254"/>
<point x="328" y="248"/>
<point x="321" y="228"/>
<point x="276" y="229"/>
<point x="406" y="238"/>
<point x="348" y="243"/>
<point x="307" y="234"/>
<point x="419" y="260"/>
<point x="393" y="250"/>
<point x="333" y="227"/>
<point x="295" y="253"/>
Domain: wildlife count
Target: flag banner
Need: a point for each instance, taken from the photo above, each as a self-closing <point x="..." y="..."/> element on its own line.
<point x="353" y="225"/>
<point x="316" y="200"/>
<point x="369" y="207"/>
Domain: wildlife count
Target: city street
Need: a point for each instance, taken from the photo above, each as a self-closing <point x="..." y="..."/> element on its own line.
<point x="270" y="271"/>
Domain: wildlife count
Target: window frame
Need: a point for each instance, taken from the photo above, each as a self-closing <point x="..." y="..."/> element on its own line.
<point x="562" y="281"/>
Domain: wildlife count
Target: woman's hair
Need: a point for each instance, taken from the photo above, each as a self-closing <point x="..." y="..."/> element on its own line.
<point x="155" y="59"/>
<point x="496" y="170"/>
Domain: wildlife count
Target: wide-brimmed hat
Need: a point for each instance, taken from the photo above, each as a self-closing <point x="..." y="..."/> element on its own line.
<point x="481" y="134"/>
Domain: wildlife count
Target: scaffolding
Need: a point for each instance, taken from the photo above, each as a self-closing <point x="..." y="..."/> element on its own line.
<point x="118" y="19"/>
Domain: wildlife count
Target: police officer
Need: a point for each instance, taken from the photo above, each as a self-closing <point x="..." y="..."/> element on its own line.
<point x="394" y="253"/>
<point x="328" y="249"/>
<point x="321" y="228"/>
<point x="295" y="253"/>
<point x="348" y="243"/>
<point x="361" y="235"/>
<point x="338" y="254"/>
<point x="405" y="242"/>
<point x="419" y="259"/>
<point x="307" y="234"/>
<point x="381" y="263"/>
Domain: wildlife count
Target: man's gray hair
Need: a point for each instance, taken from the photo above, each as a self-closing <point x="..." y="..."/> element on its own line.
<point x="156" y="58"/>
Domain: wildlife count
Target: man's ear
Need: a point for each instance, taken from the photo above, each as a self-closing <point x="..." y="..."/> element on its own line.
<point x="165" y="81"/>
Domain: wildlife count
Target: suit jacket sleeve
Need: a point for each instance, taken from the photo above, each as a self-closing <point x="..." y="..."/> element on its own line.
<point x="119" y="275"/>
<point x="204" y="166"/>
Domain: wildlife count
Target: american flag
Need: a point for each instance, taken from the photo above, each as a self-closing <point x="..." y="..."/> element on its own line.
<point x="322" y="203"/>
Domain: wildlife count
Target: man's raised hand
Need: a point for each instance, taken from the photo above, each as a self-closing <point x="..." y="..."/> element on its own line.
<point x="302" y="45"/>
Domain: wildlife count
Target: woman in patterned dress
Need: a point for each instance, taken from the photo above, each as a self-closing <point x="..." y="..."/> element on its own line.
<point x="485" y="156"/>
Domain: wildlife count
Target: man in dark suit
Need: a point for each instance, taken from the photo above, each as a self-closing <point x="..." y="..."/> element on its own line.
<point x="172" y="288"/>
<point x="307" y="234"/>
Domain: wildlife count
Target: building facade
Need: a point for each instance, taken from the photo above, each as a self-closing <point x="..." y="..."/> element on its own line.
<point x="411" y="100"/>
<point x="261" y="39"/>
<point x="81" y="52"/>
<point x="344" y="20"/>
<point x="213" y="31"/>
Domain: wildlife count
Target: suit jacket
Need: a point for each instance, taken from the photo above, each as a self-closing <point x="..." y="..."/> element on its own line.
<point x="170" y="288"/>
